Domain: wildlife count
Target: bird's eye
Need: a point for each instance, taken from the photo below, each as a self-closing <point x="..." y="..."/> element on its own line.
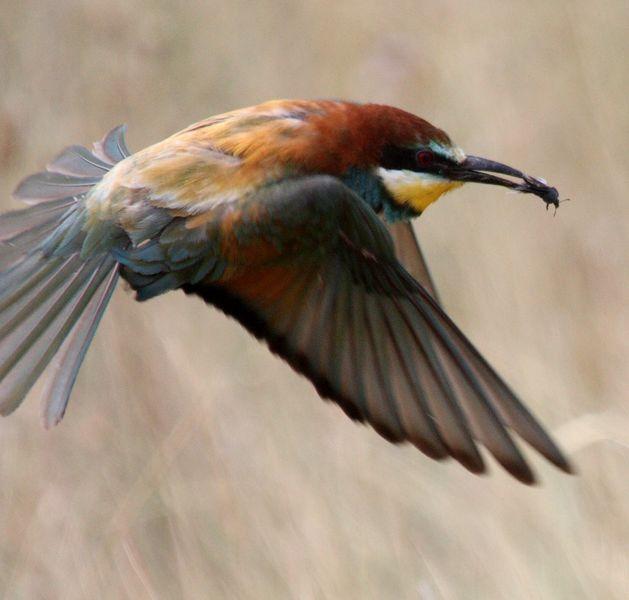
<point x="425" y="158"/>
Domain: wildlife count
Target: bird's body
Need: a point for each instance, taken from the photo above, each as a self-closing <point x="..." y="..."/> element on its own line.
<point x="229" y="156"/>
<point x="292" y="217"/>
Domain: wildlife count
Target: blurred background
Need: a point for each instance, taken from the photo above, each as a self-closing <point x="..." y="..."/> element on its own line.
<point x="192" y="463"/>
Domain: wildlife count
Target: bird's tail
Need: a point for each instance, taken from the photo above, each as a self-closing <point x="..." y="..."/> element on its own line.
<point x="52" y="292"/>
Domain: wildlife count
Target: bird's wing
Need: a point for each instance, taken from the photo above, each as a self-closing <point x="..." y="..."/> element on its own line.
<point x="309" y="268"/>
<point x="410" y="255"/>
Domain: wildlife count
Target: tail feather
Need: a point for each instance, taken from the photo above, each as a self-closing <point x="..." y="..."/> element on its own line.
<point x="53" y="293"/>
<point x="43" y="285"/>
<point x="22" y="232"/>
<point x="16" y="223"/>
<point x="45" y="186"/>
<point x="113" y="148"/>
<point x="66" y="363"/>
<point x="79" y="162"/>
<point x="17" y="276"/>
<point x="37" y="342"/>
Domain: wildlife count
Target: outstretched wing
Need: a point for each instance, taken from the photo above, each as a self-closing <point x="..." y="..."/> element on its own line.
<point x="410" y="256"/>
<point x="308" y="267"/>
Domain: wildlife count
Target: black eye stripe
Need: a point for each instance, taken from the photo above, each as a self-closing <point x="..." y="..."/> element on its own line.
<point x="411" y="159"/>
<point x="394" y="157"/>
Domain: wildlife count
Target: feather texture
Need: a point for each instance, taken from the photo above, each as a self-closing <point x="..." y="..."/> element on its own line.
<point x="52" y="292"/>
<point x="336" y="304"/>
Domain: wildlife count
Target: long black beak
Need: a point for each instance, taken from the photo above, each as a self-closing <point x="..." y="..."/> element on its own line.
<point x="481" y="170"/>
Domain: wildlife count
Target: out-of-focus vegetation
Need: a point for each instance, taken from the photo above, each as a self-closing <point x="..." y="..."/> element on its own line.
<point x="192" y="463"/>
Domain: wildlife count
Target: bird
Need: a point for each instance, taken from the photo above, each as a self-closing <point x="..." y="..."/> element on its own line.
<point x="293" y="217"/>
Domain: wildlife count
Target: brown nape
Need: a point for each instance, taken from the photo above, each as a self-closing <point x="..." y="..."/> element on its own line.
<point x="355" y="135"/>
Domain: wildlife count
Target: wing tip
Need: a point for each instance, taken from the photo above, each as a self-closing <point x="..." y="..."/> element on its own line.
<point x="431" y="450"/>
<point x="522" y="472"/>
<point x="474" y="463"/>
<point x="563" y="464"/>
<point x="551" y="452"/>
<point x="49" y="421"/>
<point x="528" y="477"/>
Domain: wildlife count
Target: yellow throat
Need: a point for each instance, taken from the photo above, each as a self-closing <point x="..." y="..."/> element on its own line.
<point x="415" y="190"/>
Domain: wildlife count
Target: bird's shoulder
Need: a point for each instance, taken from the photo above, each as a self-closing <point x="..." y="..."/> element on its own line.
<point x="212" y="162"/>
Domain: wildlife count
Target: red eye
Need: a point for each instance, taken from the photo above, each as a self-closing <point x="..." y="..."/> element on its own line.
<point x="425" y="158"/>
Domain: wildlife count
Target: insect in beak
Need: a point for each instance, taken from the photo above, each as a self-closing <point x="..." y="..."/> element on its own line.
<point x="481" y="170"/>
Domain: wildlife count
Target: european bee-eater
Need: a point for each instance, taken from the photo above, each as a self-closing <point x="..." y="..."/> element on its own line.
<point x="293" y="217"/>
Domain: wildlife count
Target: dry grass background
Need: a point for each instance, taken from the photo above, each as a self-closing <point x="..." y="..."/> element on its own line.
<point x="192" y="464"/>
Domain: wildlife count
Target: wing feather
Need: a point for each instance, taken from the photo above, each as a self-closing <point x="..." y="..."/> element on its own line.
<point x="415" y="415"/>
<point x="308" y="267"/>
<point x="410" y="255"/>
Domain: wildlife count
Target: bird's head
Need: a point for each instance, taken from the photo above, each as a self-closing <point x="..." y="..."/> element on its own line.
<point x="417" y="163"/>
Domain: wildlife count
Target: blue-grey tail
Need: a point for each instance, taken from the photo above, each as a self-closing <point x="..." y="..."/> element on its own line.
<point x="52" y="296"/>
